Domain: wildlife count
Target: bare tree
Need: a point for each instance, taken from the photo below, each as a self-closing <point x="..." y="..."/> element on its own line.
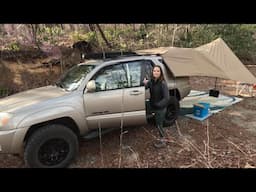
<point x="35" y="28"/>
<point x="133" y="27"/>
<point x="176" y="27"/>
<point x="72" y="27"/>
<point x="103" y="36"/>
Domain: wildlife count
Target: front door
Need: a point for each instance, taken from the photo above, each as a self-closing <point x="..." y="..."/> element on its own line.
<point x="116" y="100"/>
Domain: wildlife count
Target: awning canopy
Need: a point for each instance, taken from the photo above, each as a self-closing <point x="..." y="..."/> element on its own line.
<point x="214" y="59"/>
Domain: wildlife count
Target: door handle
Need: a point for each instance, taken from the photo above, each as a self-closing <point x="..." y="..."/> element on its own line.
<point x="97" y="113"/>
<point x="100" y="112"/>
<point x="135" y="92"/>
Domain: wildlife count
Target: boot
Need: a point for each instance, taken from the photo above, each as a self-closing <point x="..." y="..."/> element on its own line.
<point x="160" y="143"/>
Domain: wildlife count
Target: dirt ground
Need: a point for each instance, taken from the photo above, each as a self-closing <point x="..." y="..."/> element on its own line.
<point x="226" y="140"/>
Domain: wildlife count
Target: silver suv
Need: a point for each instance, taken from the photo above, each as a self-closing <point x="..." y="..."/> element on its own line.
<point x="45" y="124"/>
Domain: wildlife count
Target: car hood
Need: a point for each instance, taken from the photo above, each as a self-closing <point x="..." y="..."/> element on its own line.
<point x="30" y="97"/>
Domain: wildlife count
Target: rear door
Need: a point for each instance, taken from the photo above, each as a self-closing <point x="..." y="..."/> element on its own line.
<point x="134" y="94"/>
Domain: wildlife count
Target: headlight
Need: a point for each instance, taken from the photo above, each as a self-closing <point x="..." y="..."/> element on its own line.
<point x="4" y="119"/>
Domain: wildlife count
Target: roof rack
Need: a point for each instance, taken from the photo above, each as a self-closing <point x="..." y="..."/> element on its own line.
<point x="110" y="55"/>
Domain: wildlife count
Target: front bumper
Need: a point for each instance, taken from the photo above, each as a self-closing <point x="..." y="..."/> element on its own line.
<point x="6" y="140"/>
<point x="12" y="141"/>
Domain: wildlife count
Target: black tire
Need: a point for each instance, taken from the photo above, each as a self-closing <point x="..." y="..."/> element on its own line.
<point x="172" y="111"/>
<point x="52" y="146"/>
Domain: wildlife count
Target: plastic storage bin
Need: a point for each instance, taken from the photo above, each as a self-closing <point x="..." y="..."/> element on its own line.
<point x="201" y="109"/>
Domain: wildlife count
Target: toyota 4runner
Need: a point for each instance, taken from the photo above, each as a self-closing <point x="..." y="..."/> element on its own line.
<point x="44" y="125"/>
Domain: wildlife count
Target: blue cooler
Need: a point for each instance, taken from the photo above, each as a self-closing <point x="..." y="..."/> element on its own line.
<point x="201" y="109"/>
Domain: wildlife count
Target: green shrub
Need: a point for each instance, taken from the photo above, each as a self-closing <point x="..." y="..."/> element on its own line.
<point x="14" y="46"/>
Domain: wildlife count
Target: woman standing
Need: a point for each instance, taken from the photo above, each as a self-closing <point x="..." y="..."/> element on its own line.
<point x="159" y="98"/>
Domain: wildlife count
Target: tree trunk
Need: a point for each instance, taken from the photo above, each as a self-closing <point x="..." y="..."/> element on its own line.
<point x="71" y="27"/>
<point x="134" y="27"/>
<point x="1" y="28"/>
<point x="159" y="34"/>
<point x="92" y="27"/>
<point x="174" y="32"/>
<point x="166" y="28"/>
<point x="34" y="28"/>
<point x="187" y="30"/>
<point x="103" y="36"/>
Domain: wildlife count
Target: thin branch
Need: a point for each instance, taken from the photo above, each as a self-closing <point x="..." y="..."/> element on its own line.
<point x="103" y="36"/>
<point x="101" y="154"/>
<point x="120" y="144"/>
<point x="196" y="148"/>
<point x="236" y="146"/>
<point x="208" y="141"/>
<point x="178" y="129"/>
<point x="153" y="136"/>
<point x="121" y="130"/>
<point x="137" y="159"/>
<point x="188" y="166"/>
<point x="205" y="147"/>
<point x="203" y="162"/>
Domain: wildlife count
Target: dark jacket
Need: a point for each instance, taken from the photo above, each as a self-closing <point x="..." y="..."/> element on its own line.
<point x="159" y="94"/>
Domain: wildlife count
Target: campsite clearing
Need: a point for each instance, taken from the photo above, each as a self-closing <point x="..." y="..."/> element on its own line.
<point x="229" y="142"/>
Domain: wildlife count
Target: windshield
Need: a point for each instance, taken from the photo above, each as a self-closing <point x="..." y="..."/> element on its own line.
<point x="73" y="77"/>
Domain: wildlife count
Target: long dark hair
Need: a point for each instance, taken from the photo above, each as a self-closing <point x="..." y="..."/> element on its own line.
<point x="161" y="78"/>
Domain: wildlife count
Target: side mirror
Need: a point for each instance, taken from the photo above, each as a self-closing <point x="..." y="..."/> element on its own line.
<point x="91" y="86"/>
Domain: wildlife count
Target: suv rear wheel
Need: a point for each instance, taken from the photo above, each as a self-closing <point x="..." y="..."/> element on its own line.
<point x="172" y="111"/>
<point x="52" y="146"/>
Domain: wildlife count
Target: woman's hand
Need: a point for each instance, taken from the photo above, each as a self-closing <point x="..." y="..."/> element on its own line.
<point x="145" y="81"/>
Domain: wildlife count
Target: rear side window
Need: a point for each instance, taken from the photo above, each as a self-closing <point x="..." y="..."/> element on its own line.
<point x="161" y="60"/>
<point x="138" y="70"/>
<point x="134" y="69"/>
<point x="148" y="67"/>
<point x="123" y="75"/>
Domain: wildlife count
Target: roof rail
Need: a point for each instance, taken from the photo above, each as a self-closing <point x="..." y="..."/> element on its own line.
<point x="110" y="55"/>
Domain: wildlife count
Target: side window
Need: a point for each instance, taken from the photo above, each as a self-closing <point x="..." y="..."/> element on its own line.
<point x="135" y="73"/>
<point x="111" y="78"/>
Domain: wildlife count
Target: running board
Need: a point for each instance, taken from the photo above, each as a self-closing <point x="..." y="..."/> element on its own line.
<point x="95" y="133"/>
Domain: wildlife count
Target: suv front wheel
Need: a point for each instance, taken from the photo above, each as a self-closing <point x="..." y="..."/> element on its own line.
<point x="52" y="146"/>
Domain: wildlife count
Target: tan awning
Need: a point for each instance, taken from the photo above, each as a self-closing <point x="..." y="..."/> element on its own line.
<point x="214" y="59"/>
